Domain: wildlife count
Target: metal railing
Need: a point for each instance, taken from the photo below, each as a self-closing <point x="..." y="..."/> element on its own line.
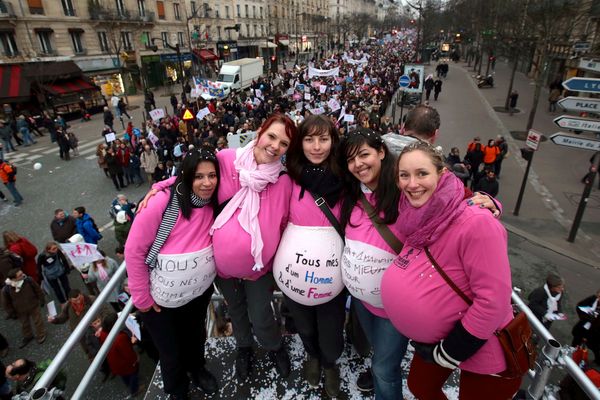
<point x="551" y="356"/>
<point x="73" y="340"/>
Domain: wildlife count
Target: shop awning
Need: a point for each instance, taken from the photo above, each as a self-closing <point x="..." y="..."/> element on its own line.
<point x="14" y="85"/>
<point x="205" y="55"/>
<point x="284" y="42"/>
<point x="270" y="45"/>
<point x="71" y="86"/>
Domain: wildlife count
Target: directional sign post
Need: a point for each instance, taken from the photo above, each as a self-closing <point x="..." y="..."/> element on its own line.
<point x="533" y="141"/>
<point x="562" y="139"/>
<point x="577" y="124"/>
<point x="586" y="104"/>
<point x="586" y="85"/>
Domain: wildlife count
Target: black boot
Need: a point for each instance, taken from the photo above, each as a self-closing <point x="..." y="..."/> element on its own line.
<point x="205" y="381"/>
<point x="365" y="381"/>
<point x="282" y="361"/>
<point x="243" y="363"/>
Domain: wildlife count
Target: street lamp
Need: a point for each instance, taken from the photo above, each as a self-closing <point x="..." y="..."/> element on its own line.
<point x="177" y="49"/>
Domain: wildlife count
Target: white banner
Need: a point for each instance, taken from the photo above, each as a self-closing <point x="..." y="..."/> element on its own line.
<point x="333" y="104"/>
<point x="318" y="110"/>
<point x="322" y="89"/>
<point x="157" y="114"/>
<point x="357" y="62"/>
<point x="81" y="253"/>
<point x="202" y="113"/>
<point x="323" y="72"/>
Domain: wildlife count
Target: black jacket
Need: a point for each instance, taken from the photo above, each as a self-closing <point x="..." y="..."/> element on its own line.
<point x="538" y="302"/>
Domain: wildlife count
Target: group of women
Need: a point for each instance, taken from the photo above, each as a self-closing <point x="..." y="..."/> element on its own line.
<point x="346" y="216"/>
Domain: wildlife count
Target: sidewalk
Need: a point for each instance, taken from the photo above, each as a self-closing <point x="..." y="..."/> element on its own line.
<point x="553" y="188"/>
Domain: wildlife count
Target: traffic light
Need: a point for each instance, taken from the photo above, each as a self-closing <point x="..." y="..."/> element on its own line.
<point x="273" y="58"/>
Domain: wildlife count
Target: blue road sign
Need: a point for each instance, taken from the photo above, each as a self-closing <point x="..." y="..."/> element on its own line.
<point x="588" y="85"/>
<point x="404" y="81"/>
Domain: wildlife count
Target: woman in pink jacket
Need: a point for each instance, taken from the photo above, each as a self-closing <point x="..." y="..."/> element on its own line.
<point x="171" y="268"/>
<point x="255" y="204"/>
<point x="470" y="245"/>
<point x="307" y="264"/>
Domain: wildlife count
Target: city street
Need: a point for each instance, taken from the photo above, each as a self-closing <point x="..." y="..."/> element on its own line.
<point x="537" y="238"/>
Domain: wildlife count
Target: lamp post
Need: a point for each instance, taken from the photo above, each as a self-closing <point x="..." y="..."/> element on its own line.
<point x="419" y="8"/>
<point x="187" y="27"/>
<point x="178" y="51"/>
<point x="297" y="48"/>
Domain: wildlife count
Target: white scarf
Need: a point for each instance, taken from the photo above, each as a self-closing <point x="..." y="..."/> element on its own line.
<point x="254" y="179"/>
<point x="552" y="302"/>
<point x="16" y="284"/>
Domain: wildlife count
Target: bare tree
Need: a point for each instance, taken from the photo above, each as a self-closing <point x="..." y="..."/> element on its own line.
<point x="122" y="26"/>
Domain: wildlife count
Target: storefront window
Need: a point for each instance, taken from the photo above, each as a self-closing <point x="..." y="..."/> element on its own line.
<point x="110" y="84"/>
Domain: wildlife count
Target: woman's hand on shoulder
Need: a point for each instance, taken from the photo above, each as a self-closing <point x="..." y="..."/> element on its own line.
<point x="483" y="200"/>
<point x="145" y="201"/>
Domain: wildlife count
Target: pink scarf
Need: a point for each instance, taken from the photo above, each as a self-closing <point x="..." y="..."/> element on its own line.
<point x="424" y="225"/>
<point x="254" y="179"/>
<point x="102" y="274"/>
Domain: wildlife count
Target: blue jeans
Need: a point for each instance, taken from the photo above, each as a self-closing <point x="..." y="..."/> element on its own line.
<point x="8" y="144"/>
<point x="27" y="136"/>
<point x="389" y="347"/>
<point x="15" y="193"/>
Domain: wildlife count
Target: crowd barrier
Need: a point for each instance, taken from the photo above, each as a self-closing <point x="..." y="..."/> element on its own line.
<point x="551" y="355"/>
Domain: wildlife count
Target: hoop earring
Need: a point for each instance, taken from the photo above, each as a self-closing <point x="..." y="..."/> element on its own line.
<point x="177" y="189"/>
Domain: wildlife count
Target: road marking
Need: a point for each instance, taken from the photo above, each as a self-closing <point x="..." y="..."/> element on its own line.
<point x="88" y="151"/>
<point x="39" y="148"/>
<point x="534" y="180"/>
<point x="106" y="226"/>
<point x="50" y="151"/>
<point x="91" y="157"/>
<point x="35" y="157"/>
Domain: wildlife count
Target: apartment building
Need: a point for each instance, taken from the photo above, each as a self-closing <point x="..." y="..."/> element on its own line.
<point x="107" y="40"/>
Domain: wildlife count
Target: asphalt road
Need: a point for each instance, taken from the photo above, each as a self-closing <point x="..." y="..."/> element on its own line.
<point x="465" y="113"/>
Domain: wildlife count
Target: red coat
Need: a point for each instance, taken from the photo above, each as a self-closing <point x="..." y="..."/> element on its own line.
<point x="122" y="359"/>
<point x="123" y="157"/>
<point x="27" y="251"/>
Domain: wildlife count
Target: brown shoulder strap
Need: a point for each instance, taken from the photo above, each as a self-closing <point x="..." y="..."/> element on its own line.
<point x="447" y="278"/>
<point x="383" y="229"/>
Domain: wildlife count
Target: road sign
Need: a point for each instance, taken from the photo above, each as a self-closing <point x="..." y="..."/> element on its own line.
<point x="588" y="85"/>
<point x="580" y="104"/>
<point x="187" y="115"/>
<point x="416" y="75"/>
<point x="590" y="65"/>
<point x="533" y="139"/>
<point x="404" y="81"/>
<point x="577" y="124"/>
<point x="563" y="139"/>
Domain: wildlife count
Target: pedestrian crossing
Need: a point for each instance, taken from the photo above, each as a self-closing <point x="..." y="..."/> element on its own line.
<point x="28" y="155"/>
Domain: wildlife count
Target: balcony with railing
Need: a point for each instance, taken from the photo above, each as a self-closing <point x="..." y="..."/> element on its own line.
<point x="99" y="12"/>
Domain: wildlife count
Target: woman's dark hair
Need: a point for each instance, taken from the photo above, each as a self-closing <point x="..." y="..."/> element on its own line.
<point x="313" y="125"/>
<point x="387" y="194"/>
<point x="183" y="186"/>
<point x="24" y="369"/>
